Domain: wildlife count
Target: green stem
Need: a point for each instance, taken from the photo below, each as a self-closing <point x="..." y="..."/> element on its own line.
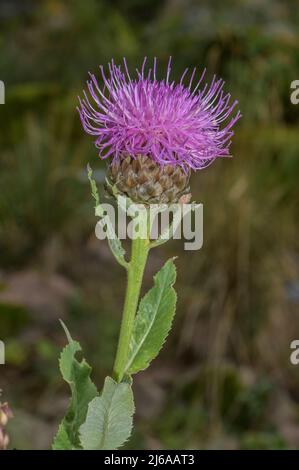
<point x="140" y="249"/>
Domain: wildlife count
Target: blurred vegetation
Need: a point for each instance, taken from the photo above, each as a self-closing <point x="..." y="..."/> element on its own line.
<point x="224" y="379"/>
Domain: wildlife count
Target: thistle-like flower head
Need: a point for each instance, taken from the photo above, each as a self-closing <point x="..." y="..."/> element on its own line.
<point x="186" y="124"/>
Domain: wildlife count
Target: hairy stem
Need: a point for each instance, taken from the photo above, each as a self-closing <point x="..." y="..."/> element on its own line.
<point x="140" y="249"/>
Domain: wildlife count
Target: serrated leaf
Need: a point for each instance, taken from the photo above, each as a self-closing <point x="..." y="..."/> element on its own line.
<point x="113" y="241"/>
<point x="153" y="320"/>
<point x="61" y="440"/>
<point x="77" y="375"/>
<point x="93" y="185"/>
<point x="109" y="418"/>
<point x="115" y="244"/>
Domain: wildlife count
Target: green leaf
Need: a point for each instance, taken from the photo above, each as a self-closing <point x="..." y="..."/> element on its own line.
<point x="113" y="241"/>
<point x="77" y="375"/>
<point x="153" y="320"/>
<point x="93" y="185"/>
<point x="115" y="244"/>
<point x="109" y="418"/>
<point x="62" y="440"/>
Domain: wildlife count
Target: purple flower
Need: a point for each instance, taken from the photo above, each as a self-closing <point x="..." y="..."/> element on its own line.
<point x="173" y="123"/>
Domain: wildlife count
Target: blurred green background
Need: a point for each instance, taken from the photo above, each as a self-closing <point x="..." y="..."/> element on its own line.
<point x="224" y="378"/>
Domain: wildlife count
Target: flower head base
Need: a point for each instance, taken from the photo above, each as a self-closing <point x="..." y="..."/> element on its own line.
<point x="172" y="123"/>
<point x="145" y="182"/>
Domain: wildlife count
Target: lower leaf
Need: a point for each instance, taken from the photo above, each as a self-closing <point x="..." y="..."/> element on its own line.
<point x="109" y="418"/>
<point x="77" y="375"/>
